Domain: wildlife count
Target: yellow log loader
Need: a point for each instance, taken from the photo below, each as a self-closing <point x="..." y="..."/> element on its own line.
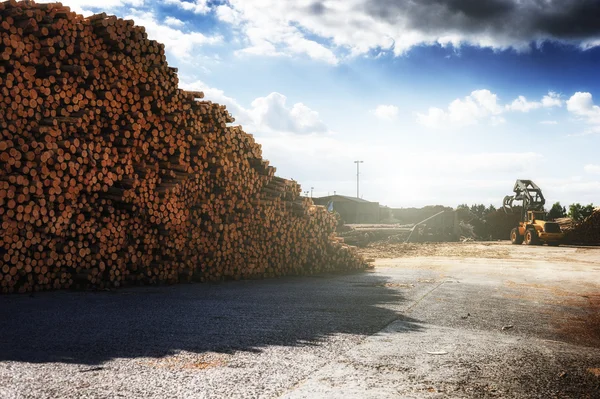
<point x="534" y="228"/>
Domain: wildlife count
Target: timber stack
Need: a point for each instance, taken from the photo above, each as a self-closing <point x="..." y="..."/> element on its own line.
<point x="585" y="232"/>
<point x="110" y="174"/>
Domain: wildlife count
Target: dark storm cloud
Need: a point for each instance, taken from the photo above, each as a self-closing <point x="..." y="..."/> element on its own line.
<point x="510" y="19"/>
<point x="317" y="8"/>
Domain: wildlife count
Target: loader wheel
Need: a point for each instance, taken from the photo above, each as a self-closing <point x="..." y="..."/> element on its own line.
<point x="531" y="237"/>
<point x="515" y="237"/>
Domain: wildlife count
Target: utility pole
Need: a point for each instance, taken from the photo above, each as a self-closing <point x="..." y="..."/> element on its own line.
<point x="357" y="173"/>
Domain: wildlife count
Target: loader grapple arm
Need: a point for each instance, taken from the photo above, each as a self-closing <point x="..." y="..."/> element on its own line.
<point x="529" y="193"/>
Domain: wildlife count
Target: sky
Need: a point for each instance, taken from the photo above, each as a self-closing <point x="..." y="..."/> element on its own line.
<point x="445" y="101"/>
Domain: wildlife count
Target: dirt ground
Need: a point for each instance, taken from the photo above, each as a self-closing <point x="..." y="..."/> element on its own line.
<point x="560" y="276"/>
<point x="458" y="320"/>
<point x="501" y="321"/>
<point x="380" y="250"/>
<point x="475" y="249"/>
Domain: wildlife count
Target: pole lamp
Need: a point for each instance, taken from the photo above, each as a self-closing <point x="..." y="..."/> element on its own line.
<point x="357" y="174"/>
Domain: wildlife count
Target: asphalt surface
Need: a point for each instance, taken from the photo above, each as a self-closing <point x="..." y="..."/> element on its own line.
<point x="522" y="324"/>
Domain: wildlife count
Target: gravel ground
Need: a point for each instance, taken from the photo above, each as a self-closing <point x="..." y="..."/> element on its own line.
<point x="237" y="339"/>
<point x="523" y="323"/>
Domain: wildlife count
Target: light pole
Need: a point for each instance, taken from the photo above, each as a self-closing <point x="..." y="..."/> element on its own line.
<point x="311" y="190"/>
<point x="357" y="173"/>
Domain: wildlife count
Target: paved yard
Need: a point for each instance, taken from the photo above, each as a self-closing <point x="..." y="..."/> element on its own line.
<point x="431" y="321"/>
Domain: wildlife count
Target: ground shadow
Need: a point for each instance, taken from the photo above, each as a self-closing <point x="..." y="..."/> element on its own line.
<point x="90" y="328"/>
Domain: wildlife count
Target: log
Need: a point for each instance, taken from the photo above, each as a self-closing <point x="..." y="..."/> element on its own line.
<point x="111" y="175"/>
<point x="585" y="232"/>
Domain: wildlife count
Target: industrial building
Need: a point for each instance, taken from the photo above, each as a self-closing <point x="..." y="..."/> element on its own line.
<point x="351" y="209"/>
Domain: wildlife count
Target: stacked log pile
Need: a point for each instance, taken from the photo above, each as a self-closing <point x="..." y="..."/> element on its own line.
<point x="110" y="174"/>
<point x="565" y="223"/>
<point x="586" y="232"/>
<point x="363" y="235"/>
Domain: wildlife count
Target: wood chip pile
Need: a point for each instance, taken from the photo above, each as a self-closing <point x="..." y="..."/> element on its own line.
<point x="110" y="174"/>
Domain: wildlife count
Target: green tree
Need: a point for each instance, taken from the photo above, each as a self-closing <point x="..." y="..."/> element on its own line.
<point x="579" y="212"/>
<point x="575" y="211"/>
<point x="557" y="211"/>
<point x="479" y="210"/>
<point x="587" y="211"/>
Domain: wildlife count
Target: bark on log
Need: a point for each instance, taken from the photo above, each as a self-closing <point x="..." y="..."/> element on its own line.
<point x="111" y="175"/>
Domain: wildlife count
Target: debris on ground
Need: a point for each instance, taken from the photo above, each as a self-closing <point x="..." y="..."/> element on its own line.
<point x="382" y="250"/>
<point x="594" y="371"/>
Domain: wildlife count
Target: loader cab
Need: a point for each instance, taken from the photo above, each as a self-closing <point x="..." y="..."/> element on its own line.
<point x="532" y="216"/>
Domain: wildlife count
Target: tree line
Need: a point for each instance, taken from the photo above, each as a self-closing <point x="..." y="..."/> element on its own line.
<point x="575" y="211"/>
<point x="479" y="210"/>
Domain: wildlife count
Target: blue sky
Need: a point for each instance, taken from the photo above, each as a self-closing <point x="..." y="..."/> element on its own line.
<point x="445" y="101"/>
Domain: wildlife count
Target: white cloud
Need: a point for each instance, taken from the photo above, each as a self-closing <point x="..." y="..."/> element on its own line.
<point x="552" y="99"/>
<point x="181" y="44"/>
<point x="228" y="14"/>
<point x="266" y="114"/>
<point x="386" y="112"/>
<point x="549" y="122"/>
<point x="591" y="168"/>
<point x="479" y="105"/>
<point x="171" y="21"/>
<point x="84" y="6"/>
<point x="581" y="104"/>
<point x="262" y="37"/>
<point x="299" y="45"/>
<point x="482" y="106"/>
<point x="306" y="120"/>
<point x="332" y="30"/>
<point x="273" y="113"/>
<point x="197" y="6"/>
<point x="357" y="27"/>
<point x="521" y="104"/>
